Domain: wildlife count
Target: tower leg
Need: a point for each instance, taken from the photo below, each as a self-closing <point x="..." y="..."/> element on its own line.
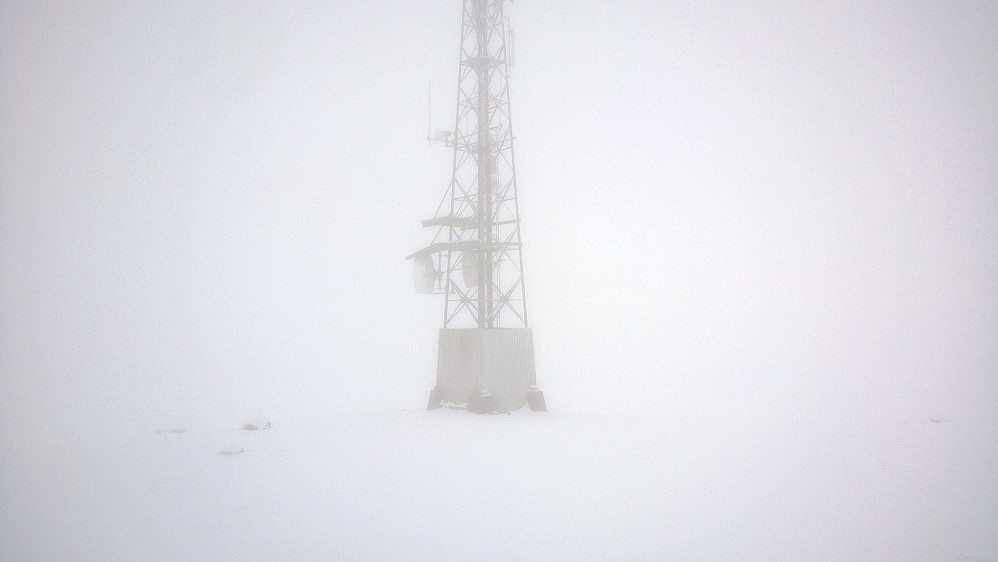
<point x="436" y="399"/>
<point x="535" y="399"/>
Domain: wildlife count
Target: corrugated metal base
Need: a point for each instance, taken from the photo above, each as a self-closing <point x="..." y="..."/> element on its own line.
<point x="489" y="369"/>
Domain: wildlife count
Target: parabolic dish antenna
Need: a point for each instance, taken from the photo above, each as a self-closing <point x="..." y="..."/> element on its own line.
<point x="424" y="274"/>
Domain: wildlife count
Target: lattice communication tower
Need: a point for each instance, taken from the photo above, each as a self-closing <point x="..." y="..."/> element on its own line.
<point x="485" y="360"/>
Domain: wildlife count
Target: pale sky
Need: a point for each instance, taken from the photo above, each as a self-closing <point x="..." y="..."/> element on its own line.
<point x="773" y="210"/>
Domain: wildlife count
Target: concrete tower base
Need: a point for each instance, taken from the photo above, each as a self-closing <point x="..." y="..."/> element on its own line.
<point x="488" y="370"/>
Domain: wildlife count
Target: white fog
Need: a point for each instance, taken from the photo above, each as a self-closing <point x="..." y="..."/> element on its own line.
<point x="761" y="258"/>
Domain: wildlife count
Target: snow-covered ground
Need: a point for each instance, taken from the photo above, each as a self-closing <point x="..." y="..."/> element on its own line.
<point x="562" y="485"/>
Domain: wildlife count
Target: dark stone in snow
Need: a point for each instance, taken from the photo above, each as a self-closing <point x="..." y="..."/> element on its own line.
<point x="257" y="424"/>
<point x="161" y="431"/>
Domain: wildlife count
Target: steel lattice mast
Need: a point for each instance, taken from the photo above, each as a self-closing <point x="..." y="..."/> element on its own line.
<point x="475" y="260"/>
<point x="477" y="247"/>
